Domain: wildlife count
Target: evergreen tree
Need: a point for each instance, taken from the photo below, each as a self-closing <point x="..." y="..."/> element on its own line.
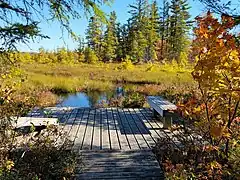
<point x="164" y="31"/>
<point x="111" y="39"/>
<point x="123" y="41"/>
<point x="179" y="27"/>
<point x="137" y="30"/>
<point x="94" y="35"/>
<point x="152" y="31"/>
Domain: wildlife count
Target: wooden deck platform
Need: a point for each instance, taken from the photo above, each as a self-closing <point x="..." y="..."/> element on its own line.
<point x="118" y="141"/>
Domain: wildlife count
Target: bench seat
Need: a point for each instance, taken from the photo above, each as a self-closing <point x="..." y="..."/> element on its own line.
<point x="161" y="105"/>
<point x="29" y="121"/>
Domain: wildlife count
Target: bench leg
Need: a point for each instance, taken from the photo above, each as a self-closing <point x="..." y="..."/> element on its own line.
<point x="155" y="113"/>
<point x="167" y="121"/>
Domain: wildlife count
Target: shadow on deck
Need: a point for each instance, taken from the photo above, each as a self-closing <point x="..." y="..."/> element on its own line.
<point x="115" y="143"/>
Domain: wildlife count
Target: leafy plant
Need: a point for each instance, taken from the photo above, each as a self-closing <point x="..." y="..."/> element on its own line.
<point x="133" y="100"/>
<point x="90" y="56"/>
<point x="207" y="146"/>
<point x="27" y="155"/>
<point x="126" y="63"/>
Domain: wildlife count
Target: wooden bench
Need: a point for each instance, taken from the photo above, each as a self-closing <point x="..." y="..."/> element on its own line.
<point x="162" y="107"/>
<point x="29" y="121"/>
<point x="24" y="124"/>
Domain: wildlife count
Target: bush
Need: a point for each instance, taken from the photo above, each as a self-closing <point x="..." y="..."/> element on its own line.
<point x="134" y="100"/>
<point x="186" y="155"/>
<point x="90" y="56"/>
<point x="126" y="64"/>
<point x="183" y="59"/>
<point x="27" y="154"/>
<point x="41" y="158"/>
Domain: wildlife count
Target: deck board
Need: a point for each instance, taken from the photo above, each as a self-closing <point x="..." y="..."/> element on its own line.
<point x="115" y="143"/>
<point x="108" y="128"/>
<point x="132" y="164"/>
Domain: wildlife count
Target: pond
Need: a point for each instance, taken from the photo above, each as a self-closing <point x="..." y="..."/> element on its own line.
<point x="89" y="99"/>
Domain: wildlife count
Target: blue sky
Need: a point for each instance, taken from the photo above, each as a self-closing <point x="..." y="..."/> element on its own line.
<point x="59" y="39"/>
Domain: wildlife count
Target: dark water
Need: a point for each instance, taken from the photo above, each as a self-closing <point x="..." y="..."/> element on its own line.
<point x="89" y="99"/>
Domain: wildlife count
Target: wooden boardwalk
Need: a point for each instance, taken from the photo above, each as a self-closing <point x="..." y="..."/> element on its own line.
<point x="115" y="143"/>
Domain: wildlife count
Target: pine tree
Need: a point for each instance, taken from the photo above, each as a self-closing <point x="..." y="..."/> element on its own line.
<point x="179" y="27"/>
<point x="94" y="35"/>
<point x="111" y="39"/>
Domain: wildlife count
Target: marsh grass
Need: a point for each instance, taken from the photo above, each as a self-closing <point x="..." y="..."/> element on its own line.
<point x="145" y="78"/>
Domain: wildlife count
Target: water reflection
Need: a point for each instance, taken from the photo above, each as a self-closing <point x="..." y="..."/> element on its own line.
<point x="89" y="99"/>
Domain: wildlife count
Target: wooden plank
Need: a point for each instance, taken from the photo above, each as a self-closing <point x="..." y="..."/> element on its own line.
<point x="142" y="127"/>
<point x="152" y="130"/>
<point x="79" y="118"/>
<point x="128" y="130"/>
<point x="87" y="132"/>
<point x="93" y="131"/>
<point x="75" y="127"/>
<point x="68" y="126"/>
<point x="80" y="134"/>
<point x="138" y="131"/>
<point x="115" y="128"/>
<point x="112" y="130"/>
<point x="108" y="128"/>
<point x="101" y="124"/>
<point x="164" y="132"/>
<point x="123" y="139"/>
<point x="140" y="164"/>
<point x="157" y="122"/>
<point x="106" y="143"/>
<point x="150" y="122"/>
<point x="97" y="131"/>
<point x="64" y="120"/>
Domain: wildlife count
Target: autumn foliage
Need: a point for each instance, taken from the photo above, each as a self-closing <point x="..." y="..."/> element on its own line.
<point x="217" y="73"/>
<point x="210" y="142"/>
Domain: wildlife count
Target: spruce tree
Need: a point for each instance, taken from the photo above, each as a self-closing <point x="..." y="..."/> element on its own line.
<point x="164" y="30"/>
<point x="94" y="35"/>
<point x="123" y="41"/>
<point x="179" y="27"/>
<point x="137" y="30"/>
<point x="111" y="39"/>
<point x="152" y="31"/>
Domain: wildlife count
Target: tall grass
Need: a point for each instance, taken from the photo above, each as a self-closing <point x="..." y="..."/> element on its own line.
<point x="61" y="78"/>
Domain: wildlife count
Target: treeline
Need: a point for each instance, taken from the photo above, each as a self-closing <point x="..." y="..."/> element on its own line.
<point x="61" y="55"/>
<point x="152" y="33"/>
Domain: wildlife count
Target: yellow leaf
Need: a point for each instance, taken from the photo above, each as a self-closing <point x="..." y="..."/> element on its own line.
<point x="197" y="109"/>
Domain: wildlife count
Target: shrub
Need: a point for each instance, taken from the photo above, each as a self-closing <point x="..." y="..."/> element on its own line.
<point x="41" y="158"/>
<point x="133" y="100"/>
<point x="183" y="59"/>
<point x="208" y="147"/>
<point x="90" y="56"/>
<point x="26" y="155"/>
<point x="126" y="64"/>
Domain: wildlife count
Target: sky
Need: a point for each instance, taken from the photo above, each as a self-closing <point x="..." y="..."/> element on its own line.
<point x="62" y="39"/>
